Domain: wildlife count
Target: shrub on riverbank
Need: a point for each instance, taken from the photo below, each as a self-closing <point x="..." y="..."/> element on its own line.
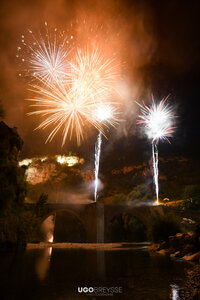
<point x="163" y="226"/>
<point x="140" y="192"/>
<point x="192" y="287"/>
<point x="191" y="194"/>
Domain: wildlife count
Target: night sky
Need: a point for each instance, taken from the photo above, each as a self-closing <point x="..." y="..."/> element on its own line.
<point x="157" y="43"/>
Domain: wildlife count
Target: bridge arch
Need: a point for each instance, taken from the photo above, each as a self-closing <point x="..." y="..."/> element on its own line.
<point x="126" y="227"/>
<point x="68" y="225"/>
<point x="142" y="213"/>
<point x="54" y="211"/>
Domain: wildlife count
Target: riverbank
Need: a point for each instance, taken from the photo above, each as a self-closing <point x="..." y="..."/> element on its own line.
<point x="181" y="246"/>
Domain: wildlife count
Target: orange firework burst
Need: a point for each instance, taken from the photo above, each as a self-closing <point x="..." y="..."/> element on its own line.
<point x="61" y="109"/>
<point x="69" y="107"/>
<point x="93" y="75"/>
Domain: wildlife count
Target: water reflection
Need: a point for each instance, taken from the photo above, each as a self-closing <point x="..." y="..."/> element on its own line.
<point x="101" y="264"/>
<point x="41" y="274"/>
<point x="47" y="229"/>
<point x="175" y="292"/>
<point x="43" y="263"/>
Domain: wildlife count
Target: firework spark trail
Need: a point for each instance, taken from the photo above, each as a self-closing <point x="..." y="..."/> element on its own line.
<point x="158" y="120"/>
<point x="97" y="161"/>
<point x="155" y="168"/>
<point x="105" y="114"/>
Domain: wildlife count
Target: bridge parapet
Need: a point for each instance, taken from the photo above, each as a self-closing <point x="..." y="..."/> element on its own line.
<point x="96" y="217"/>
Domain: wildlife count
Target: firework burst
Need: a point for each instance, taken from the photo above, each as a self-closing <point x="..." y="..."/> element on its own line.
<point x="158" y="122"/>
<point x="93" y="75"/>
<point x="63" y="110"/>
<point x="46" y="56"/>
<point x="107" y="113"/>
<point x="70" y="107"/>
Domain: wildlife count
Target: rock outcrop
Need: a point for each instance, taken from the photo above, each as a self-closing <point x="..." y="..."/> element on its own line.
<point x="182" y="245"/>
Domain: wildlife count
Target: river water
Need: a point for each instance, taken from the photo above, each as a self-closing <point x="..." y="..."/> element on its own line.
<point x="53" y="273"/>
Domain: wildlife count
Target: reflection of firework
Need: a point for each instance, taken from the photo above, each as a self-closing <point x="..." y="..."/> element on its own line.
<point x="158" y="121"/>
<point x="47" y="55"/>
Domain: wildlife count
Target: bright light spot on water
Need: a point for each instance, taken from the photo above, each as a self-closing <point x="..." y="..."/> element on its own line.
<point x="43" y="263"/>
<point x="175" y="294"/>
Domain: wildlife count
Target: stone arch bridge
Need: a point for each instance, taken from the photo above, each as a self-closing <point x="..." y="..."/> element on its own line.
<point x="96" y="217"/>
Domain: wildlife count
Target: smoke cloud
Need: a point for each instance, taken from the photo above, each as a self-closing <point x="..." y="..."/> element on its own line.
<point x="143" y="37"/>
